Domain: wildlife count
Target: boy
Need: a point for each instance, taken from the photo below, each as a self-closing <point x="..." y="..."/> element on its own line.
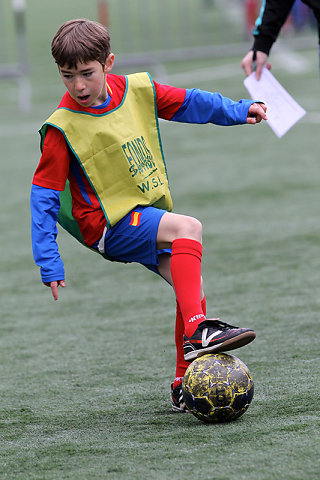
<point x="102" y="151"/>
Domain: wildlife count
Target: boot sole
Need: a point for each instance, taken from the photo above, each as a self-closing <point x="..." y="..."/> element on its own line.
<point x="231" y="344"/>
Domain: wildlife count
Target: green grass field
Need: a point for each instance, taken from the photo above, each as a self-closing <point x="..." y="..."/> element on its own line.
<point x="85" y="381"/>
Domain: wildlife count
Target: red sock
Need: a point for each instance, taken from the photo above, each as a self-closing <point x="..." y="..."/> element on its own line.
<point x="182" y="365"/>
<point x="186" y="276"/>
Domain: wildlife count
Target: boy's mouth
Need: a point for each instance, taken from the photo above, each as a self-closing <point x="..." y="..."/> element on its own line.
<point x="83" y="98"/>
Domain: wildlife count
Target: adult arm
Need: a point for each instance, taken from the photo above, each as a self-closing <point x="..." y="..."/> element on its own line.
<point x="273" y="15"/>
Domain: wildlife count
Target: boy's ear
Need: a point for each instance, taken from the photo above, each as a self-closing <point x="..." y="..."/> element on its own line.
<point x="109" y="63"/>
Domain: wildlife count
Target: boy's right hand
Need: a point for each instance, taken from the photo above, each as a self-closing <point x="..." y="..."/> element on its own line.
<point x="54" y="287"/>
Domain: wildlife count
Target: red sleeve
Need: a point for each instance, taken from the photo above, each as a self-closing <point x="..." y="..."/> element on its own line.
<point x="169" y="100"/>
<point x="53" y="169"/>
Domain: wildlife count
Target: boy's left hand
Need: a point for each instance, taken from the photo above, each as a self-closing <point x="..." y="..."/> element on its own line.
<point x="256" y="113"/>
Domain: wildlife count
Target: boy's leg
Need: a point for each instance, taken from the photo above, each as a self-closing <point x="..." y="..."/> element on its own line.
<point x="184" y="235"/>
<point x="164" y="269"/>
<point x="201" y="335"/>
<point x="177" y="401"/>
<point x="181" y="364"/>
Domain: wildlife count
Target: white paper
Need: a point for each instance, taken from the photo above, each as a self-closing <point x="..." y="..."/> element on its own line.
<point x="282" y="110"/>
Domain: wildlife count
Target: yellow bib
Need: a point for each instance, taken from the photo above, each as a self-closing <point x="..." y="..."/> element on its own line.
<point x="119" y="151"/>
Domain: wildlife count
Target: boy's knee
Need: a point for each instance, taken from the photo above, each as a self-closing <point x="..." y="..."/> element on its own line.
<point x="191" y="228"/>
<point x="173" y="226"/>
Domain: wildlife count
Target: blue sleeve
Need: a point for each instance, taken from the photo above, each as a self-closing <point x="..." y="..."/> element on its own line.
<point x="259" y="19"/>
<point x="45" y="204"/>
<point x="200" y="106"/>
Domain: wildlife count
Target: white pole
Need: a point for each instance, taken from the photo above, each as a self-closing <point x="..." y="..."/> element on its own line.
<point x="19" y="7"/>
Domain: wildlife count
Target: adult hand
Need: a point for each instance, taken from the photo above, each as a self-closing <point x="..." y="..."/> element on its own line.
<point x="256" y="113"/>
<point x="54" y="287"/>
<point x="249" y="64"/>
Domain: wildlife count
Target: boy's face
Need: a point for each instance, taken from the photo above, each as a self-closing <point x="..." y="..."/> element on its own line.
<point x="86" y="83"/>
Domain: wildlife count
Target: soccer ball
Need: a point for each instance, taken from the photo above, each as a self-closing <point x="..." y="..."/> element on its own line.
<point x="217" y="388"/>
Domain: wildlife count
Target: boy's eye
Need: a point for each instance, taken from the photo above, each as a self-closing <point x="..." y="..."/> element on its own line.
<point x="87" y="74"/>
<point x="67" y="76"/>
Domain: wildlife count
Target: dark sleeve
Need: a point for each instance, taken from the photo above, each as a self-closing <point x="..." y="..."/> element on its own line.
<point x="272" y="16"/>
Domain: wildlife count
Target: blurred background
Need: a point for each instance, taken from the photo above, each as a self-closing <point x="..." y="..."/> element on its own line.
<point x="145" y="34"/>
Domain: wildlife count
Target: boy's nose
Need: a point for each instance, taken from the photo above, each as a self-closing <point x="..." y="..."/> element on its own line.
<point x="79" y="84"/>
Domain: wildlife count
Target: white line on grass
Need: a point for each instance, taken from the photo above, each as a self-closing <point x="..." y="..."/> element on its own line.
<point x="204" y="74"/>
<point x="312" y="117"/>
<point x="290" y="61"/>
<point x="283" y="58"/>
<point x="22" y="128"/>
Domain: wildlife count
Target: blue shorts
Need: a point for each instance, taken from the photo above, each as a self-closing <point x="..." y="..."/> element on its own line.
<point x="134" y="238"/>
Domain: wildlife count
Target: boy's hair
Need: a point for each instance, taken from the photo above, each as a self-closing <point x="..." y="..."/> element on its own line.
<point x="82" y="41"/>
